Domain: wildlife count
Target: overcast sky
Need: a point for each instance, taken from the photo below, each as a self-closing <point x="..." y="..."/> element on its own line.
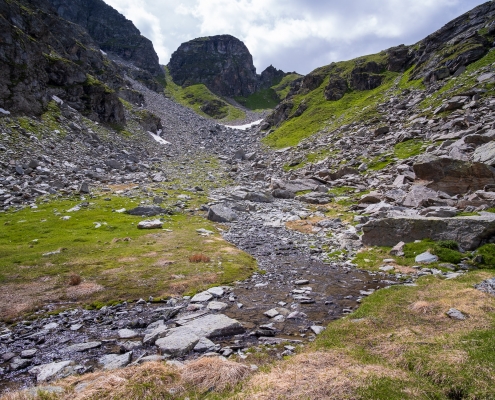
<point x="292" y="35"/>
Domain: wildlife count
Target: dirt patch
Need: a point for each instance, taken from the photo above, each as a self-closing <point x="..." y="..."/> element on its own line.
<point x="304" y="226"/>
<point x="83" y="290"/>
<point x="163" y="262"/>
<point x="16" y="299"/>
<point x="229" y="250"/>
<point x="128" y="259"/>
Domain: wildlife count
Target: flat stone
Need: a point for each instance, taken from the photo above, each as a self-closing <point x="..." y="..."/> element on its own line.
<point x="216" y="291"/>
<point x="80" y="347"/>
<point x="216" y="306"/>
<point x="29" y="353"/>
<point x="426" y="258"/>
<point x="456" y="314"/>
<point x="147" y="211"/>
<point x="150" y="224"/>
<point x="49" y="371"/>
<point x="178" y="343"/>
<point x="152" y="358"/>
<point x="151" y="337"/>
<point x="127" y="333"/>
<point x="301" y="282"/>
<point x="386" y="268"/>
<point x="211" y="325"/>
<point x="115" y="361"/>
<point x="201" y="297"/>
<point x="19" y="363"/>
<point x="271" y="313"/>
<point x="50" y="327"/>
<point x="76" y="327"/>
<point x="317" y="329"/>
<point x="204" y="345"/>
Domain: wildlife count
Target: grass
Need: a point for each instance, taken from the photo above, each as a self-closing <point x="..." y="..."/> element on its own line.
<point x="283" y="87"/>
<point x="197" y="97"/>
<point x="261" y="100"/>
<point x="409" y="148"/>
<point x="115" y="261"/>
<point x="447" y="252"/>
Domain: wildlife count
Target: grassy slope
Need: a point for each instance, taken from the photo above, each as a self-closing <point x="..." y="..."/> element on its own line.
<point x="197" y="95"/>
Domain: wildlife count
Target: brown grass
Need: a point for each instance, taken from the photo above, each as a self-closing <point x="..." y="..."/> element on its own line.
<point x="199" y="258"/>
<point x="304" y="226"/>
<point x="213" y="373"/>
<point x="318" y="375"/>
<point x="84" y="290"/>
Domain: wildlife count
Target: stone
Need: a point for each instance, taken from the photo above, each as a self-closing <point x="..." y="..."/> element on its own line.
<point x="178" y="343"/>
<point x="115" y="361"/>
<point x="456" y="314"/>
<point x="28" y="353"/>
<point x="51" y="326"/>
<point x="211" y="325"/>
<point x="386" y="268"/>
<point x="50" y="371"/>
<point x="84" y="188"/>
<point x="441" y="212"/>
<point x="127" y="333"/>
<point x="204" y="345"/>
<point x="453" y="176"/>
<point x="216" y="306"/>
<point x="485" y="154"/>
<point x="371" y="198"/>
<point x="283" y="194"/>
<point x="221" y="213"/>
<point x="317" y="329"/>
<point x="151" y="337"/>
<point x="147" y="211"/>
<point x="259" y="197"/>
<point x="398" y="249"/>
<point x="469" y="232"/>
<point x="271" y="313"/>
<point x="202" y="297"/>
<point x="426" y="258"/>
<point x="216" y="291"/>
<point x="19" y="363"/>
<point x="315" y="198"/>
<point x="419" y="196"/>
<point x="80" y="347"/>
<point x="150" y="224"/>
<point x="301" y="282"/>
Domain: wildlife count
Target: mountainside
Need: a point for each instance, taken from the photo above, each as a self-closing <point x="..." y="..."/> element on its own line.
<point x="342" y="248"/>
<point x="111" y="31"/>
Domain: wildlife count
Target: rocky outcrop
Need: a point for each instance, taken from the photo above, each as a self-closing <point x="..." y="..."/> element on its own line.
<point x="453" y="176"/>
<point x="270" y="76"/>
<point x="42" y="55"/>
<point x="336" y="88"/>
<point x="469" y="232"/>
<point x="222" y="63"/>
<point x="111" y="31"/>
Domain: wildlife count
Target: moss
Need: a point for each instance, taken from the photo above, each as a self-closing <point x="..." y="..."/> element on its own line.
<point x="261" y="100"/>
<point x="92" y="81"/>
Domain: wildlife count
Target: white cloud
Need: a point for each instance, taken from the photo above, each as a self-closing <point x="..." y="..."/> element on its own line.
<point x="292" y="34"/>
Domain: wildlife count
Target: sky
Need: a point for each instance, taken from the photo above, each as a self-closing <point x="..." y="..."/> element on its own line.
<point x="292" y="35"/>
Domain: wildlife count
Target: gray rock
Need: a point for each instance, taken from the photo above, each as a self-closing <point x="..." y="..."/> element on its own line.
<point x="441" y="212"/>
<point x="29" y="353"/>
<point x="317" y="329"/>
<point x="314" y="198"/>
<point x="147" y="211"/>
<point x="80" y="347"/>
<point x="216" y="306"/>
<point x="178" y="343"/>
<point x="151" y="337"/>
<point x="487" y="286"/>
<point x="19" y="363"/>
<point x="115" y="361"/>
<point x="485" y="154"/>
<point x="426" y="258"/>
<point x="301" y="282"/>
<point x="211" y="325"/>
<point x="469" y="232"/>
<point x="202" y="297"/>
<point x="216" y="291"/>
<point x="386" y="268"/>
<point x="283" y="194"/>
<point x="456" y="314"/>
<point x="221" y="213"/>
<point x="127" y="334"/>
<point x="84" y="188"/>
<point x="50" y="371"/>
<point x="150" y="224"/>
<point x="204" y="345"/>
<point x="259" y="197"/>
<point x="271" y="313"/>
<point x="398" y="249"/>
<point x="420" y="195"/>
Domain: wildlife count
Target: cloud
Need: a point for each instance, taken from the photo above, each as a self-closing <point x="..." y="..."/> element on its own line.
<point x="293" y="34"/>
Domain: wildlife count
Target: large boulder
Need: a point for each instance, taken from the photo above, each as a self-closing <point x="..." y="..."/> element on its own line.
<point x="469" y="232"/>
<point x="485" y="154"/>
<point x="221" y="213"/>
<point x="453" y="176"/>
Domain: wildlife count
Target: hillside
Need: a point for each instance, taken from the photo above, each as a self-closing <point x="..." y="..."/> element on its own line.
<point x="343" y="248"/>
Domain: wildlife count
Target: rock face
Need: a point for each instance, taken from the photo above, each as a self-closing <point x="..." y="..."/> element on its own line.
<point x="469" y="232"/>
<point x="453" y="176"/>
<point x="111" y="31"/>
<point x="44" y="55"/>
<point x="223" y="63"/>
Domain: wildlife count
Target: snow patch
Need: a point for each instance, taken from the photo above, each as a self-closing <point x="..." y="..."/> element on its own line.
<point x="244" y="127"/>
<point x="158" y="138"/>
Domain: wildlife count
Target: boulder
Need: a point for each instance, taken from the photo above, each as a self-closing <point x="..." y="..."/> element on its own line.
<point x="259" y="197"/>
<point x="485" y="154"/>
<point x="283" y="194"/>
<point x="221" y="213"/>
<point x="115" y="361"/>
<point x="336" y="88"/>
<point x="420" y="196"/>
<point x="147" y="211"/>
<point x="315" y="198"/>
<point x="80" y="347"/>
<point x="150" y="224"/>
<point x="47" y="372"/>
<point x="178" y="343"/>
<point x="453" y="176"/>
<point x="469" y="232"/>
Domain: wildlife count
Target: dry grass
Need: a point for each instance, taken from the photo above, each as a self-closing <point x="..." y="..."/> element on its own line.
<point x="84" y="290"/>
<point x="199" y="258"/>
<point x="318" y="375"/>
<point x="207" y="374"/>
<point x="421" y="307"/>
<point x="304" y="226"/>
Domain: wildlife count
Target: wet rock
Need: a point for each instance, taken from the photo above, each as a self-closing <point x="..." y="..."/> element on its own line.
<point x="469" y="232"/>
<point x="150" y="224"/>
<point x="221" y="213"/>
<point x="115" y="361"/>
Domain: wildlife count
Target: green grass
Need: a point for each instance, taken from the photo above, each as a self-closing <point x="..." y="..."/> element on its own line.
<point x="197" y="96"/>
<point x="328" y="115"/>
<point x="409" y="148"/>
<point x="283" y="87"/>
<point x="261" y="100"/>
<point x="127" y="269"/>
<point x="487" y="252"/>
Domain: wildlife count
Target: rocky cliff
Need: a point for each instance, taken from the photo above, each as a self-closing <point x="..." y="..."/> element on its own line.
<point x="223" y="63"/>
<point x="111" y="31"/>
